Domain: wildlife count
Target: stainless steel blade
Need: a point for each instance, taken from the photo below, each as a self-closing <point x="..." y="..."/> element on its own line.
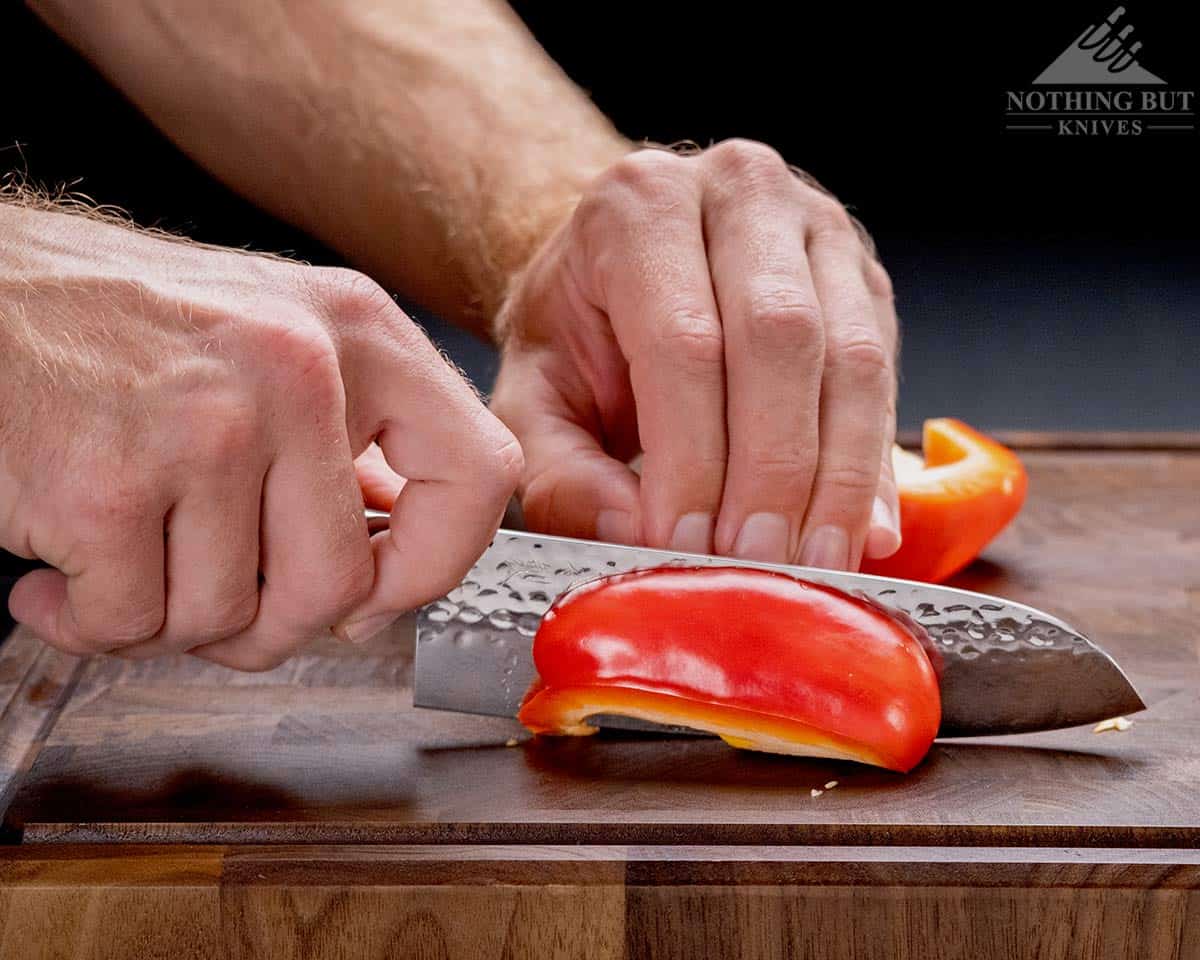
<point x="1006" y="667"/>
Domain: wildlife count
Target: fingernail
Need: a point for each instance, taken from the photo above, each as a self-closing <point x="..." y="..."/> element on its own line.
<point x="764" y="536"/>
<point x="360" y="631"/>
<point x="827" y="547"/>
<point x="693" y="533"/>
<point x="614" y="526"/>
<point x="883" y="538"/>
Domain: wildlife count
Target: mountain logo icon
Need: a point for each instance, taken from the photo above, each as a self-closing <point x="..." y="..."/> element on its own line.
<point x="1100" y="55"/>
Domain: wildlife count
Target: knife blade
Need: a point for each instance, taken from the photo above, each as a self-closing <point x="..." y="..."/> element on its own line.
<point x="1006" y="667"/>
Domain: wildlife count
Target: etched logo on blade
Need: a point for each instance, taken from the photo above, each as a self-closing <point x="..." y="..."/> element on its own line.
<point x="1098" y="87"/>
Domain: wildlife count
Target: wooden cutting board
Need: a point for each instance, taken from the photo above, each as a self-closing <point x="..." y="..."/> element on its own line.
<point x="262" y="790"/>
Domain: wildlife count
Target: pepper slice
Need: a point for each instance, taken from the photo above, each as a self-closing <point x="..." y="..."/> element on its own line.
<point x="764" y="660"/>
<point x="953" y="503"/>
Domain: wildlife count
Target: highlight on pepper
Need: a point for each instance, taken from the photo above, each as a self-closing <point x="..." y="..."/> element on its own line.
<point x="764" y="660"/>
<point x="953" y="502"/>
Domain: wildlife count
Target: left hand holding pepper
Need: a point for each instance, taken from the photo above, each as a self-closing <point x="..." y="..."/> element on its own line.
<point x="723" y="316"/>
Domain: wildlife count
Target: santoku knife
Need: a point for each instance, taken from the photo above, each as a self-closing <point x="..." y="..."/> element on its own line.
<point x="1005" y="667"/>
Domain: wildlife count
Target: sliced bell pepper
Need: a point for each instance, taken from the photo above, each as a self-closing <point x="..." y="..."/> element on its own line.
<point x="764" y="660"/>
<point x="953" y="503"/>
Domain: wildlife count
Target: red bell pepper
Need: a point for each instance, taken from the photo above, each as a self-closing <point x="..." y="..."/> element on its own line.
<point x="953" y="503"/>
<point x="764" y="660"/>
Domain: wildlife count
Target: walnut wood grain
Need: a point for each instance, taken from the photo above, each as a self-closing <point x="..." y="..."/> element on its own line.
<point x="476" y="902"/>
<point x="328" y="748"/>
<point x="311" y="811"/>
<point x="35" y="681"/>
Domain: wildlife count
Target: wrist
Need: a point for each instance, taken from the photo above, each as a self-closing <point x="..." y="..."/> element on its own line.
<point x="522" y="220"/>
<point x="456" y="233"/>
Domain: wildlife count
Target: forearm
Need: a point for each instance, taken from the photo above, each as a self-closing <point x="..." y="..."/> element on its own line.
<point x="433" y="144"/>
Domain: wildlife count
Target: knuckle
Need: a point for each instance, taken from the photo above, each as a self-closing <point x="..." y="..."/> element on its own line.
<point x="863" y="357"/>
<point x="828" y="216"/>
<point x="495" y="469"/>
<point x="689" y="337"/>
<point x="228" y="429"/>
<point x="781" y="463"/>
<point x="350" y="295"/>
<point x="226" y="617"/>
<point x="592" y="213"/>
<point x="308" y="362"/>
<point x="785" y="315"/>
<point x="644" y="171"/>
<point x="507" y="464"/>
<point x="848" y="478"/>
<point x="298" y="346"/>
<point x="638" y="186"/>
<point x="748" y="159"/>
<point x="112" y="499"/>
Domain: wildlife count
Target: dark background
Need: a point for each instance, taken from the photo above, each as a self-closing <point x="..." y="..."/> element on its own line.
<point x="1043" y="282"/>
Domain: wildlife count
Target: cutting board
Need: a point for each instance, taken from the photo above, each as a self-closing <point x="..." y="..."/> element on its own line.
<point x="321" y="774"/>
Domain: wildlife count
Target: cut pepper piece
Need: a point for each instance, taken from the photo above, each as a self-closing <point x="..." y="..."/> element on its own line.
<point x="764" y="660"/>
<point x="953" y="503"/>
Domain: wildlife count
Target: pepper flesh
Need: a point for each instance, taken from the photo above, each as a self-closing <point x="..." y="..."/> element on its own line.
<point x="953" y="503"/>
<point x="764" y="660"/>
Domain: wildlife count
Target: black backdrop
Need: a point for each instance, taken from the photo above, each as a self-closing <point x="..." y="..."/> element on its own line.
<point x="899" y="111"/>
<point x="897" y="107"/>
<point x="1043" y="281"/>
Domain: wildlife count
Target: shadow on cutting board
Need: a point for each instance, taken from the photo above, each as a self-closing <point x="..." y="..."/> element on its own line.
<point x="630" y="757"/>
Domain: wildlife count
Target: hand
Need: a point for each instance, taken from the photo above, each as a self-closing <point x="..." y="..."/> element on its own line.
<point x="178" y="427"/>
<point x="723" y="316"/>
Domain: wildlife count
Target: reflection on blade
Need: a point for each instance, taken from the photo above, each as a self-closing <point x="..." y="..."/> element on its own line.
<point x="1005" y="667"/>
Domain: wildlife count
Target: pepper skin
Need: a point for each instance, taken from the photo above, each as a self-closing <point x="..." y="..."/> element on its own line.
<point x="952" y="505"/>
<point x="764" y="660"/>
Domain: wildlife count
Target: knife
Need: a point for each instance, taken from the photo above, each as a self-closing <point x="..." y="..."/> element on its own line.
<point x="1006" y="667"/>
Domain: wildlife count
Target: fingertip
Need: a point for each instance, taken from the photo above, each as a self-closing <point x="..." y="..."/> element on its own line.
<point x="827" y="547"/>
<point x="693" y="533"/>
<point x="881" y="542"/>
<point x="883" y="536"/>
<point x="763" y="536"/>
<point x="616" y="526"/>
